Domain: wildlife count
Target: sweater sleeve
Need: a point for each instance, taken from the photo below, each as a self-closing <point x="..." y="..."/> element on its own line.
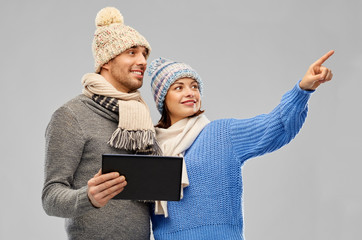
<point x="269" y="132"/>
<point x="63" y="152"/>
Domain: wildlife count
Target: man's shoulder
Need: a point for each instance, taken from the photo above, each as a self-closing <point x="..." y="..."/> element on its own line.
<point x="84" y="108"/>
<point x="79" y="99"/>
<point x="74" y="103"/>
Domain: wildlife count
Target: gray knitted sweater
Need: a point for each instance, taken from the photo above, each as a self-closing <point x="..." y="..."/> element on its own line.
<point x="76" y="138"/>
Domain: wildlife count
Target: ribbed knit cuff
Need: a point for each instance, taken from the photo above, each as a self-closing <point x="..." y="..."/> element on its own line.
<point x="298" y="95"/>
<point x="209" y="232"/>
<point x="83" y="203"/>
<point x="306" y="91"/>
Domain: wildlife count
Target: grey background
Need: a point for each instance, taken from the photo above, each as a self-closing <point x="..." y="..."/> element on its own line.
<point x="248" y="53"/>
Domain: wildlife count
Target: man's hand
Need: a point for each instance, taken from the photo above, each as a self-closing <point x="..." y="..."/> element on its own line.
<point x="317" y="74"/>
<point x="103" y="187"/>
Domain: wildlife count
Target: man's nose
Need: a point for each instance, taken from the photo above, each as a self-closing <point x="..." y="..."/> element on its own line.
<point x="141" y="60"/>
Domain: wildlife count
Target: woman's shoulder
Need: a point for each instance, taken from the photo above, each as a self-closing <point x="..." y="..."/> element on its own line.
<point x="221" y="121"/>
<point x="218" y="124"/>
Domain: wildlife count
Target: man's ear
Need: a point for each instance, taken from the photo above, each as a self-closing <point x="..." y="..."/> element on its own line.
<point x="106" y="66"/>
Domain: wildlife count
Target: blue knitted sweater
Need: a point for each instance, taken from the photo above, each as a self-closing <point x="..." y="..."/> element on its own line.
<point x="212" y="205"/>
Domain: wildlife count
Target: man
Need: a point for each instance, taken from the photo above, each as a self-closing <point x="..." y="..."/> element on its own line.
<point x="109" y="117"/>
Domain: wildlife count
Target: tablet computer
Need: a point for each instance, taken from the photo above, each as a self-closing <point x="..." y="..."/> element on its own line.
<point x="148" y="177"/>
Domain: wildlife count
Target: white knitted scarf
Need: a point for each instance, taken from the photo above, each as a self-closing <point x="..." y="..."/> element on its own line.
<point x="135" y="130"/>
<point x="174" y="141"/>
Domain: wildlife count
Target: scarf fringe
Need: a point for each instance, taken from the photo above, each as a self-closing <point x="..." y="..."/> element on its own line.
<point x="135" y="140"/>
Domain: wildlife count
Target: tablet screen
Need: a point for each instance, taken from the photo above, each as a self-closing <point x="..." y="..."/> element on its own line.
<point x="148" y="177"/>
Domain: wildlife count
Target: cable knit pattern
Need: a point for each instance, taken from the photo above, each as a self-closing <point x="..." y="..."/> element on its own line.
<point x="212" y="204"/>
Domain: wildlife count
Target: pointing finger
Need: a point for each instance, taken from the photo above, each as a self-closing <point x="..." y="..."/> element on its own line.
<point x="320" y="61"/>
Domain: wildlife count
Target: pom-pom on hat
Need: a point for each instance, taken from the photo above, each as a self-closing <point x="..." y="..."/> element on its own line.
<point x="112" y="37"/>
<point x="164" y="73"/>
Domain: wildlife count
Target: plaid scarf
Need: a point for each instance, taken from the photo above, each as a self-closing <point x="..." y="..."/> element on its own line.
<point x="135" y="130"/>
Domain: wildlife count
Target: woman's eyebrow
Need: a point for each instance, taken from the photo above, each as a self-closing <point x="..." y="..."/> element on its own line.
<point x="181" y="83"/>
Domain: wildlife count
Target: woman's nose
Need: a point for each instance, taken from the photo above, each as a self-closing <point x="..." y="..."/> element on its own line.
<point x="190" y="92"/>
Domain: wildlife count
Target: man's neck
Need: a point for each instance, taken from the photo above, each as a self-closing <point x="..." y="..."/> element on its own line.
<point x="105" y="74"/>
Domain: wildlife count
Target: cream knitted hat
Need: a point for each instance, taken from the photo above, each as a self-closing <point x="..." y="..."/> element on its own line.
<point x="112" y="37"/>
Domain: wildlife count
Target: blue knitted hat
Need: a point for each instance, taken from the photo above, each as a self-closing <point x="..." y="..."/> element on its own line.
<point x="164" y="73"/>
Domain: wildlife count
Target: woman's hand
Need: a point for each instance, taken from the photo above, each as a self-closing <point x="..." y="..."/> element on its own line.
<point x="317" y="74"/>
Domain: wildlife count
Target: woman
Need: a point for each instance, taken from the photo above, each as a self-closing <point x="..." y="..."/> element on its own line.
<point x="211" y="207"/>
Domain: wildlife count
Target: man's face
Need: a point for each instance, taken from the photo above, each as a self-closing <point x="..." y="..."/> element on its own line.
<point x="127" y="69"/>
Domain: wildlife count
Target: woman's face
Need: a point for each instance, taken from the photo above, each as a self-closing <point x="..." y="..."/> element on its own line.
<point x="183" y="99"/>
